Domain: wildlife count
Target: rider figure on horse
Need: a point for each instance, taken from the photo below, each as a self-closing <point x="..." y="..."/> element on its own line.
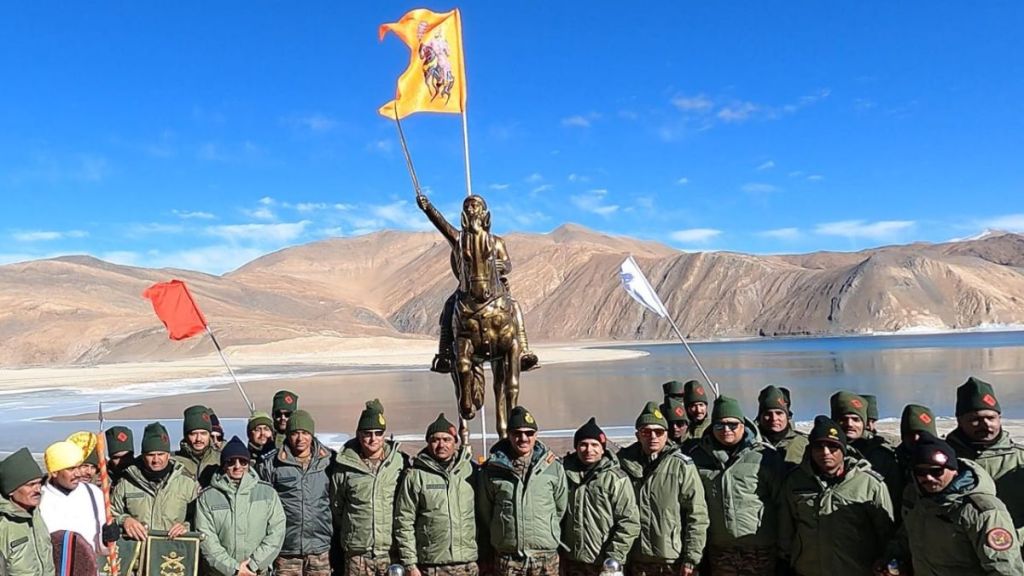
<point x="476" y="215"/>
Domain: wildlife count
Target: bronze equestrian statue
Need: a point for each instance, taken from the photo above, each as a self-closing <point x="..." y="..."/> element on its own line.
<point x="480" y="322"/>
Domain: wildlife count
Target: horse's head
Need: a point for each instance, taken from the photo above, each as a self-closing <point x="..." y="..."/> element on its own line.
<point x="479" y="279"/>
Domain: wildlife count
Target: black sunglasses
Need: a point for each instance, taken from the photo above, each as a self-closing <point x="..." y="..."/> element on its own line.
<point x="523" y="433"/>
<point x="934" y="472"/>
<point x="731" y="426"/>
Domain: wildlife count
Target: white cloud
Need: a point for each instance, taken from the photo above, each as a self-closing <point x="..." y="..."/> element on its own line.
<point x="317" y="122"/>
<point x="534" y="178"/>
<point x="781" y="234"/>
<point x="498" y="187"/>
<point x="400" y="214"/>
<point x="576" y="121"/>
<point x="267" y="201"/>
<point x="881" y="230"/>
<point x="190" y="215"/>
<point x="47" y="235"/>
<point x="594" y="202"/>
<point x="736" y="112"/>
<point x="759" y="188"/>
<point x="683" y="181"/>
<point x="815" y="178"/>
<point x="698" y="103"/>
<point x="334" y="231"/>
<point x="215" y="259"/>
<point x="541" y="189"/>
<point x="695" y="235"/>
<point x="767" y="165"/>
<point x="1006" y="222"/>
<point x="261" y="213"/>
<point x="260" y="233"/>
<point x="343" y="207"/>
<point x="574" y="177"/>
<point x="384" y="145"/>
<point x="310" y="206"/>
<point x="147" y="228"/>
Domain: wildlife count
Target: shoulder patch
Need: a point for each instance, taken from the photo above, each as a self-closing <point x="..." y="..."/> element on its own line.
<point x="875" y="475"/>
<point x="550" y="458"/>
<point x="999" y="539"/>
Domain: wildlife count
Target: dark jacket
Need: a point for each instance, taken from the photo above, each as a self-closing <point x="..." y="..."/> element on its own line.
<point x="305" y="496"/>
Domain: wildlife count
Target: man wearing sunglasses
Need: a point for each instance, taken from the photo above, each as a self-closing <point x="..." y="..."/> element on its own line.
<point x="240" y="516"/>
<point x="669" y="494"/>
<point x="285" y="402"/>
<point x="300" y="472"/>
<point x="979" y="436"/>
<point x="774" y="421"/>
<point x="850" y="411"/>
<point x="521" y="498"/>
<point x="956" y="525"/>
<point x="435" y="510"/>
<point x="742" y="479"/>
<point x="363" y="487"/>
<point x="837" y="517"/>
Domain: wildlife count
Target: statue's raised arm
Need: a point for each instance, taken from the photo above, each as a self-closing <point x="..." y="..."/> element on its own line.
<point x="451" y="234"/>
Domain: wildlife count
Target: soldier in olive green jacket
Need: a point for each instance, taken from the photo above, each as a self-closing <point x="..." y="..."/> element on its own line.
<point x="241" y="517"/>
<point x="775" y="422"/>
<point x="836" y="517"/>
<point x="670" y="496"/>
<point x="742" y="479"/>
<point x="695" y="399"/>
<point x="850" y="411"/>
<point x="979" y="436"/>
<point x="602" y="520"/>
<point x="435" y="515"/>
<point x="521" y="498"/>
<point x="155" y="493"/>
<point x="956" y="525"/>
<point x="196" y="454"/>
<point x="363" y="487"/>
<point x="25" y="547"/>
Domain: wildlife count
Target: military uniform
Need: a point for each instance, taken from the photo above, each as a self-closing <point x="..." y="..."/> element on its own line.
<point x="25" y="545"/>
<point x="1004" y="462"/>
<point x="963" y="530"/>
<point x="158" y="504"/>
<point x="790" y="443"/>
<point x="837" y="527"/>
<point x="201" y="466"/>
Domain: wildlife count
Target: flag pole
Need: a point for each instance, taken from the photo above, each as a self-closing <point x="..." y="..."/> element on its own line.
<point x="465" y="145"/>
<point x="405" y="150"/>
<point x="714" y="386"/>
<point x="248" y="403"/>
<point x="113" y="564"/>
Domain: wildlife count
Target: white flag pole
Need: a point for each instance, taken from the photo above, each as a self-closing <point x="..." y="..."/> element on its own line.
<point x="248" y="403"/>
<point x="645" y="294"/>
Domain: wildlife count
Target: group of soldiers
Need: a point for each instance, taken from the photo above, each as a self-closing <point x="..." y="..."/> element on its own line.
<point x="702" y="490"/>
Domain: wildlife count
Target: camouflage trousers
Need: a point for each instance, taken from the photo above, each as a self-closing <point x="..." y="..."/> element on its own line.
<point x="574" y="568"/>
<point x="467" y="569"/>
<point x="532" y="564"/>
<point x="652" y="569"/>
<point x="311" y="565"/>
<point x="752" y="561"/>
<point x="365" y="565"/>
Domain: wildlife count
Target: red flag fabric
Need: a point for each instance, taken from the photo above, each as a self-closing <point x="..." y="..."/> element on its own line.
<point x="175" y="307"/>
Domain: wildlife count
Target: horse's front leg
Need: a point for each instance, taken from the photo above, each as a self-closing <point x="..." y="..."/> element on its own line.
<point x="464" y="377"/>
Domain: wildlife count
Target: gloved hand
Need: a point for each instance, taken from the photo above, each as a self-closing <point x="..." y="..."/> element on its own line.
<point x="111" y="533"/>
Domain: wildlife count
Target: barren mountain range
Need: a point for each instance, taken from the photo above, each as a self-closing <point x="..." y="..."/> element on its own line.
<point x="80" y="310"/>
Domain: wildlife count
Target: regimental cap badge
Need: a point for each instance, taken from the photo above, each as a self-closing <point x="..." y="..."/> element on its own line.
<point x="528" y="418"/>
<point x="924" y="417"/>
<point x="451" y="430"/>
<point x="700" y="390"/>
<point x="989" y="399"/>
<point x="380" y="419"/>
<point x="206" y="416"/>
<point x="289" y="399"/>
<point x="657" y="414"/>
<point x="856" y="403"/>
<point x="940" y="458"/>
<point x="781" y="401"/>
<point x="678" y="411"/>
<point x="602" y="438"/>
<point x="833" y="434"/>
<point x="122" y="437"/>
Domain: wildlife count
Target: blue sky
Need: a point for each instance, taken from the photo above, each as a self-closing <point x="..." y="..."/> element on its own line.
<point x="203" y="134"/>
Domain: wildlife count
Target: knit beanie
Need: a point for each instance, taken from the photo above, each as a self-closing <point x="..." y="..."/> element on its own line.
<point x="62" y="455"/>
<point x="976" y="394"/>
<point x="673" y="388"/>
<point x="235" y="448"/>
<point x="651" y="416"/>
<point x="826" y="430"/>
<point x="215" y="424"/>
<point x="119" y="439"/>
<point x="930" y="451"/>
<point x="843" y="403"/>
<point x="726" y="407"/>
<point x="17" y="469"/>
<point x="693" y="391"/>
<point x="441" y="424"/>
<point x="93" y="458"/>
<point x="521" y="418"/>
<point x="674" y="410"/>
<point x="258" y="418"/>
<point x="372" y="417"/>
<point x="589" y="431"/>
<point x="872" y="401"/>
<point x="773" y="398"/>
<point x="155" y="439"/>
<point x="301" y="420"/>
<point x="285" y="400"/>
<point x="196" y="418"/>
<point x="917" y="418"/>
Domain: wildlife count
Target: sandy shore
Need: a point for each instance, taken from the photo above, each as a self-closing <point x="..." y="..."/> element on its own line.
<point x="312" y="353"/>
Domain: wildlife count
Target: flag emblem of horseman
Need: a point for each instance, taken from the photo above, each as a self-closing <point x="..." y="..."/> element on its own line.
<point x="626" y="278"/>
<point x="437" y="65"/>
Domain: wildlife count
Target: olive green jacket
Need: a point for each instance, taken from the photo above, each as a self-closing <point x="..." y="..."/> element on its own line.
<point x="25" y="548"/>
<point x="838" y="527"/>
<point x="673" y="513"/>
<point x="963" y="530"/>
<point x="435" y="515"/>
<point x="1004" y="462"/>
<point x="521" y="516"/>
<point x="200" y="467"/>
<point x="742" y="490"/>
<point x="602" y="520"/>
<point x="363" y="502"/>
<point x="791" y="444"/>
<point x="240" y="522"/>
<point x="882" y="456"/>
<point x="158" y="506"/>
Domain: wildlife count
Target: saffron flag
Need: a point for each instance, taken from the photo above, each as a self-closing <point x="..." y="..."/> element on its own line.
<point x="175" y="307"/>
<point x="637" y="286"/>
<point x="435" y="80"/>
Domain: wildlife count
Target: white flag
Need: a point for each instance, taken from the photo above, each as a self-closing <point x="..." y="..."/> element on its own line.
<point x="637" y="286"/>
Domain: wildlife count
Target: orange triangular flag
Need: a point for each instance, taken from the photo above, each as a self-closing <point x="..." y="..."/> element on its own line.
<point x="435" y="80"/>
<point x="175" y="307"/>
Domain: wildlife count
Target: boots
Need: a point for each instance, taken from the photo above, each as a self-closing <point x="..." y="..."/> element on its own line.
<point x="527" y="359"/>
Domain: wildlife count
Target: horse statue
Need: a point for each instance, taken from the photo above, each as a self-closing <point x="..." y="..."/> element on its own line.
<point x="481" y="322"/>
